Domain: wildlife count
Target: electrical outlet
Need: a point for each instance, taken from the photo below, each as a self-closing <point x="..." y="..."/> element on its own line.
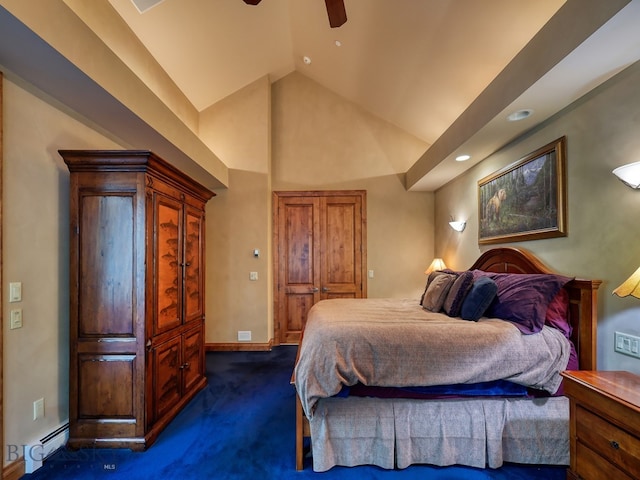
<point x="627" y="344"/>
<point x="253" y="276"/>
<point x="244" y="336"/>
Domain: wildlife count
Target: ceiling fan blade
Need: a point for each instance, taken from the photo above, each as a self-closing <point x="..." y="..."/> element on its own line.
<point x="336" y="12"/>
<point x="252" y="2"/>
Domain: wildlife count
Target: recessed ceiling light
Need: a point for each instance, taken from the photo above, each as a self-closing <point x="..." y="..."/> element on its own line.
<point x="520" y="115"/>
<point x="462" y="158"/>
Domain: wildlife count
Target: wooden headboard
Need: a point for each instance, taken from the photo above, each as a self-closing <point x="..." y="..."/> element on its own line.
<point x="583" y="296"/>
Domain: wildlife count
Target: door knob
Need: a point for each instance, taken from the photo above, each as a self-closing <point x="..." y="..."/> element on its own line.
<point x="325" y="289"/>
<point x="314" y="289"/>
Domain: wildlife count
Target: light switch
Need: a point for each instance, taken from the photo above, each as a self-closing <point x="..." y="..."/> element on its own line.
<point x="15" y="292"/>
<point x="16" y="318"/>
<point x="253" y="276"/>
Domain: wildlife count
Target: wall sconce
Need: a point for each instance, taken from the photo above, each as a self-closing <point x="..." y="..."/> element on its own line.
<point x="437" y="264"/>
<point x="458" y="226"/>
<point x="629" y="174"/>
<point x="631" y="286"/>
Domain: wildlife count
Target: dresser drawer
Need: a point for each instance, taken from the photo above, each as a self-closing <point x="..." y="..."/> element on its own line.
<point x="610" y="442"/>
<point x="591" y="466"/>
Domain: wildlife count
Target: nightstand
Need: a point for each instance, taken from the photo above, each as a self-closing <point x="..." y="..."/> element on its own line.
<point x="604" y="424"/>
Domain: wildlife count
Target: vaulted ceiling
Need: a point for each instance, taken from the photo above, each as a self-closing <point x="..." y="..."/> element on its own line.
<point x="415" y="63"/>
<point x="448" y="72"/>
<point x="419" y="64"/>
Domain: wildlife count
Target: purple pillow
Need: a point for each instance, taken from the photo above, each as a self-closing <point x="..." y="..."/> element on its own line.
<point x="523" y="298"/>
<point x="573" y="364"/>
<point x="457" y="293"/>
<point x="558" y="313"/>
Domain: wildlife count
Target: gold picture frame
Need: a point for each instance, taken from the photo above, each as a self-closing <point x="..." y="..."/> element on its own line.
<point x="525" y="200"/>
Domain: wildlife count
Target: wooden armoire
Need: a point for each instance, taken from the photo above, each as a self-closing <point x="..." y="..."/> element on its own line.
<point x="137" y="261"/>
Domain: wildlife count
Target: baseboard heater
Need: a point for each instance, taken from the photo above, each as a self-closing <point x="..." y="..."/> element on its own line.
<point x="35" y="453"/>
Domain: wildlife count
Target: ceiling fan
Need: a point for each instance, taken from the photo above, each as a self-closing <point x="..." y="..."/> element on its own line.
<point x="335" y="10"/>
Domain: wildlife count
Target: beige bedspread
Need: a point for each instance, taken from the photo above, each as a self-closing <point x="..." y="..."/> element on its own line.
<point x="394" y="342"/>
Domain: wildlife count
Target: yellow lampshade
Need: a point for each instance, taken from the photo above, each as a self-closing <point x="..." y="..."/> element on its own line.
<point x="437" y="264"/>
<point x="631" y="286"/>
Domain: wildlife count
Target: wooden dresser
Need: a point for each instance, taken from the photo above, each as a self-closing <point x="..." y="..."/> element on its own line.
<point x="137" y="296"/>
<point x="605" y="425"/>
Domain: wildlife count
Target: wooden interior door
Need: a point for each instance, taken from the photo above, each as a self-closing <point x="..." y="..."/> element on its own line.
<point x="341" y="265"/>
<point x="320" y="253"/>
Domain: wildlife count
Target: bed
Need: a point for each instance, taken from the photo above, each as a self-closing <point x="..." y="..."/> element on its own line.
<point x="392" y="382"/>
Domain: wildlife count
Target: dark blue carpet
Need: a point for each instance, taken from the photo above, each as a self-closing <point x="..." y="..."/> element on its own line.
<point x="242" y="426"/>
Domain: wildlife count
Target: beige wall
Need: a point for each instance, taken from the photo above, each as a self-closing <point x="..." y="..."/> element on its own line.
<point x="36" y="252"/>
<point x="238" y="223"/>
<point x="603" y="227"/>
<point x="238" y="129"/>
<point x="296" y="135"/>
<point x="321" y="141"/>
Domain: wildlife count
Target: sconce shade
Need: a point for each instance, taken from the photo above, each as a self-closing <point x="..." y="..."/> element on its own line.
<point x="631" y="286"/>
<point x="629" y="174"/>
<point x="458" y="226"/>
<point x="437" y="264"/>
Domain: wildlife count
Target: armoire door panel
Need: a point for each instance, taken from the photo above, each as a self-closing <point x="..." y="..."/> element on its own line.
<point x="106" y="265"/>
<point x="193" y="265"/>
<point x="166" y="363"/>
<point x="192" y="360"/>
<point x="168" y="302"/>
<point x="98" y="376"/>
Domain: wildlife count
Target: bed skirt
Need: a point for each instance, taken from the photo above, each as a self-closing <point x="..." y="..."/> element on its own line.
<point x="396" y="433"/>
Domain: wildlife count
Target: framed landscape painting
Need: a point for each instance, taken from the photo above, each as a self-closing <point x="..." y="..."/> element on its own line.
<point x="525" y="200"/>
